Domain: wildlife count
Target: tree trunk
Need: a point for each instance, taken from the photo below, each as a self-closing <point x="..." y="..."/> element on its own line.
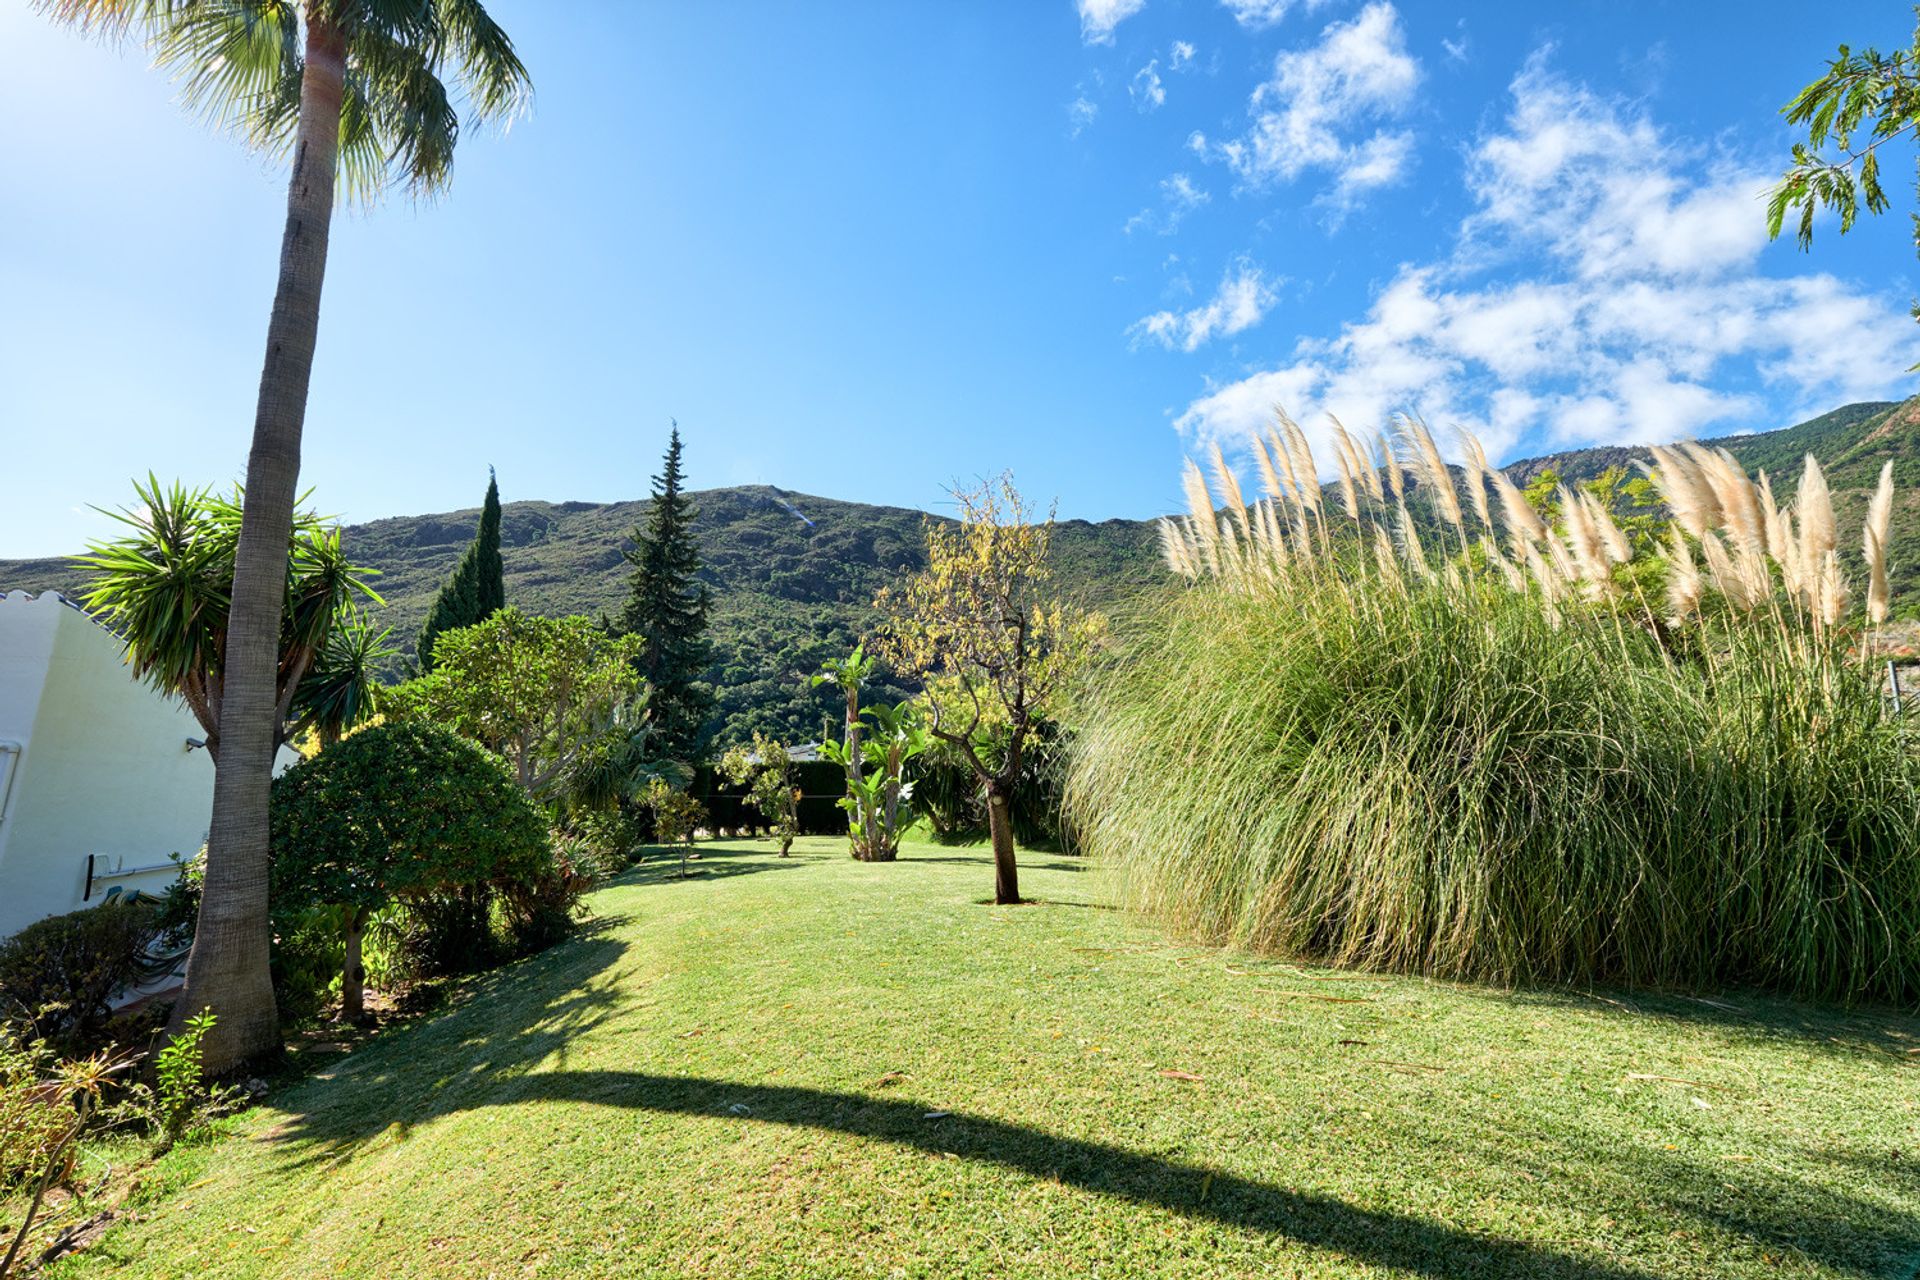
<point x="353" y="977"/>
<point x="227" y="967"/>
<point x="1006" y="874"/>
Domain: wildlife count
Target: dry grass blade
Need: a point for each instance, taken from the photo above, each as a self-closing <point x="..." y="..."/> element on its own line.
<point x="1518" y="514"/>
<point x="1684" y="585"/>
<point x="1446" y="499"/>
<point x="1879" y="524"/>
<point x="1346" y="463"/>
<point x="1228" y="485"/>
<point x="1813" y="508"/>
<point x="1681" y="481"/>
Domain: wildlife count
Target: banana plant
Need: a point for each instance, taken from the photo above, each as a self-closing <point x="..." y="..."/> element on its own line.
<point x="898" y="736"/>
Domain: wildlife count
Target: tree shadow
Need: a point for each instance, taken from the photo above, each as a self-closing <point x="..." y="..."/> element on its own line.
<point x="509" y="1042"/>
<point x="1755" y="1016"/>
<point x="1782" y="1212"/>
<point x="332" y="1130"/>
<point x="985" y="860"/>
<point x="661" y="865"/>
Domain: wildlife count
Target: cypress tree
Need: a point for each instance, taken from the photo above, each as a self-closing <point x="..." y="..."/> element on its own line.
<point x="667" y="607"/>
<point x="478" y="586"/>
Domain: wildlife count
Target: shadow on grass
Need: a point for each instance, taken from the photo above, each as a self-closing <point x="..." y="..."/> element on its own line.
<point x="985" y="859"/>
<point x="661" y="865"/>
<point x="412" y="1086"/>
<point x="1886" y="1033"/>
<point x="509" y="1044"/>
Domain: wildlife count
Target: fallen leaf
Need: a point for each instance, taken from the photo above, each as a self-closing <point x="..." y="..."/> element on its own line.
<point x="890" y="1078"/>
<point x="1173" y="1073"/>
<point x="936" y="1115"/>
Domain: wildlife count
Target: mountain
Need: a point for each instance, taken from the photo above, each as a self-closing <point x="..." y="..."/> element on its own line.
<point x="793" y="578"/>
<point x="794" y="575"/>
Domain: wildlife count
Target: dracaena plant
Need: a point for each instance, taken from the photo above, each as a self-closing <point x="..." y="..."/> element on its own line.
<point x="166" y="586"/>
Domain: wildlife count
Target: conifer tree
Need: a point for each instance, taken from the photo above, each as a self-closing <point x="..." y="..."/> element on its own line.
<point x="667" y="608"/>
<point x="478" y="587"/>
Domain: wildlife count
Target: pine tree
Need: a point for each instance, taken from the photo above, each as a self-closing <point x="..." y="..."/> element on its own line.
<point x="478" y="587"/>
<point x="667" y="608"/>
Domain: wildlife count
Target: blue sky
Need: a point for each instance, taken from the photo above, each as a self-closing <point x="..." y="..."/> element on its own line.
<point x="865" y="250"/>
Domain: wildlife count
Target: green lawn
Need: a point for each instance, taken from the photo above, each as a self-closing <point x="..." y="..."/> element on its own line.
<point x="816" y="1067"/>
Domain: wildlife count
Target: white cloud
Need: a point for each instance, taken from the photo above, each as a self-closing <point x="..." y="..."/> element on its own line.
<point x="1319" y="98"/>
<point x="1180" y="56"/>
<point x="1147" y="91"/>
<point x="1081" y="112"/>
<point x="1602" y="291"/>
<point x="1178" y="198"/>
<point x="1257" y="15"/>
<point x="1243" y="299"/>
<point x="1098" y="18"/>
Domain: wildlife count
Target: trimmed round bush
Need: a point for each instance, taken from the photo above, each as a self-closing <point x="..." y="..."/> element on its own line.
<point x="399" y="810"/>
<point x="411" y="813"/>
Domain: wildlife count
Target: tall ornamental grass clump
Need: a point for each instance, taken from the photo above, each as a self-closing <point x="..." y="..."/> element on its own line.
<point x="1532" y="748"/>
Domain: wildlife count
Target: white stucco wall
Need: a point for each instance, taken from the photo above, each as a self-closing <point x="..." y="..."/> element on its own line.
<point x="104" y="767"/>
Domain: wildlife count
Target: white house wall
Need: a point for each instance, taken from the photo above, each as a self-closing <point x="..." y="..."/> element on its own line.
<point x="104" y="768"/>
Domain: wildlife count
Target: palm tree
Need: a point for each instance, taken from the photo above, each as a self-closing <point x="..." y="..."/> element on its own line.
<point x="351" y="93"/>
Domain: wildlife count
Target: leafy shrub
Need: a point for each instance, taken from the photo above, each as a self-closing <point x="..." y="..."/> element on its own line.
<point x="179" y="1105"/>
<point x="32" y="1119"/>
<point x="412" y="813"/>
<point x="62" y="972"/>
<point x="605" y="840"/>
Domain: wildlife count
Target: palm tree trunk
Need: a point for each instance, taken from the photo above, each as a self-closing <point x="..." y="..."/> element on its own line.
<point x="227" y="968"/>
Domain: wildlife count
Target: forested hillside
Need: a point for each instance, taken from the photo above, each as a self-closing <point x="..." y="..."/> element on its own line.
<point x="793" y="578"/>
<point x="794" y="575"/>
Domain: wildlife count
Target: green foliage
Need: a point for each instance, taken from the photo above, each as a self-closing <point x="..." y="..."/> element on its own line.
<point x="676" y="815"/>
<point x="46" y="1104"/>
<point x="478" y="587"/>
<point x="165" y="586"/>
<point x="538" y="691"/>
<point x="1871" y="96"/>
<point x="240" y="65"/>
<point x="1439" y="779"/>
<point x="948" y="795"/>
<point x="343" y="688"/>
<point x="29" y="1127"/>
<point x="766" y="771"/>
<point x="786" y="595"/>
<point x="405" y="812"/>
<point x="179" y="1105"/>
<point x="61" y="973"/>
<point x="1870" y="93"/>
<point x="399" y="810"/>
<point x="666" y="609"/>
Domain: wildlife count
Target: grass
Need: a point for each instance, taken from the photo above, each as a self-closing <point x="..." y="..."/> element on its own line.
<point x="815" y="1067"/>
<point x="1577" y="759"/>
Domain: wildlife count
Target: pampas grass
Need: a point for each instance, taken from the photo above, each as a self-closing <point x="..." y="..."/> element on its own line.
<point x="1506" y="762"/>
